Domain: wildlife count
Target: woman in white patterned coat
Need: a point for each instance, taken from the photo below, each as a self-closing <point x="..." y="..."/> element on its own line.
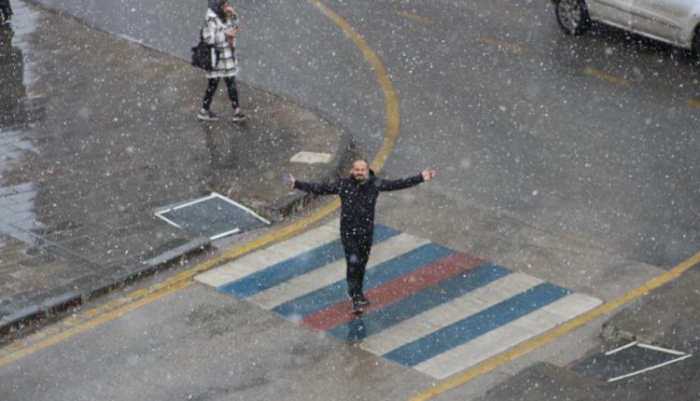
<point x="220" y="31"/>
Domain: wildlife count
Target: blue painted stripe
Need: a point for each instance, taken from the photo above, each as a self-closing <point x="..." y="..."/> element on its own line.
<point x="415" y="304"/>
<point x="380" y="274"/>
<point x="300" y="264"/>
<point x="476" y="325"/>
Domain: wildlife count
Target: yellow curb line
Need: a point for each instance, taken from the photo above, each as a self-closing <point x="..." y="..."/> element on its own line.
<point x="66" y="334"/>
<point x="692" y="102"/>
<point x="558" y="331"/>
<point x="502" y="45"/>
<point x="411" y="15"/>
<point x="604" y="76"/>
<point x="392" y="103"/>
<point x="116" y="308"/>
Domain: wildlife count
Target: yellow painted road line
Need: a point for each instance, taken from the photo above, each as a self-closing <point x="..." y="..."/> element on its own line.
<point x="411" y="16"/>
<point x="390" y="99"/>
<point x="503" y="45"/>
<point x="692" y="102"/>
<point x="604" y="76"/>
<point x="557" y="332"/>
<point x="116" y="308"/>
<point x="66" y="334"/>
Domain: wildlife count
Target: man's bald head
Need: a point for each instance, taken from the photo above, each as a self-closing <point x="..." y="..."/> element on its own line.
<point x="360" y="170"/>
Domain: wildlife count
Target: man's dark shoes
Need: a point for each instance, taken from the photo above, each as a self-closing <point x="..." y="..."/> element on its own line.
<point x="356" y="308"/>
<point x="362" y="300"/>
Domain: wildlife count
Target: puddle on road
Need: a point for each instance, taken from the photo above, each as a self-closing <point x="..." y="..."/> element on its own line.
<point x="17" y="110"/>
<point x="213" y="216"/>
<point x="627" y="361"/>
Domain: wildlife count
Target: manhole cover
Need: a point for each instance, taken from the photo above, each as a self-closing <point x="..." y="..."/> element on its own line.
<point x="628" y="360"/>
<point x="213" y="216"/>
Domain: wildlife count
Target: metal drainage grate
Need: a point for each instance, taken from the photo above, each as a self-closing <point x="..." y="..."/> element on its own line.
<point x="213" y="216"/>
<point x="628" y="360"/>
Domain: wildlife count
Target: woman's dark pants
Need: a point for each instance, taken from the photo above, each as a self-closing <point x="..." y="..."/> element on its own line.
<point x="212" y="83"/>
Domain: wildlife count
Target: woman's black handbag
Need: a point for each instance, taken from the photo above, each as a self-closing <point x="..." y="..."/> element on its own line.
<point x="202" y="55"/>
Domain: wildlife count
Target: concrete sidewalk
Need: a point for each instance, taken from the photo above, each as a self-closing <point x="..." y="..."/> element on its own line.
<point x="97" y="133"/>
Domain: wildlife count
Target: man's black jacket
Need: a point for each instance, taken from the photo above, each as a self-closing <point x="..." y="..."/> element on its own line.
<point x="358" y="200"/>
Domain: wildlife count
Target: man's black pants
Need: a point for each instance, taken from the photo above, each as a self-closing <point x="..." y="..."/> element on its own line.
<point x="6" y="8"/>
<point x="357" y="249"/>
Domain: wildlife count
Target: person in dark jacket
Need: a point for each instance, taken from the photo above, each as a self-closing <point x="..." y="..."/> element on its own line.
<point x="358" y="198"/>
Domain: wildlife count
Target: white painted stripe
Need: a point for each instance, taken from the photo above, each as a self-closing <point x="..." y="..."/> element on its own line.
<point x="616" y="350"/>
<point x="250" y="211"/>
<point x="497" y="341"/>
<point x="277" y="253"/>
<point x="329" y="274"/>
<point x="311" y="157"/>
<point x="660" y="349"/>
<point x="448" y="313"/>
<point x="225" y="234"/>
<point x="613" y="379"/>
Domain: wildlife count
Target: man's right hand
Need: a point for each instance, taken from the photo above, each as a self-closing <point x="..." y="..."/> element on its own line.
<point x="428" y="174"/>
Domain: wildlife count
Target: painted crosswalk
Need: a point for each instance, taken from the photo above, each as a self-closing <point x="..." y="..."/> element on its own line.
<point x="434" y="309"/>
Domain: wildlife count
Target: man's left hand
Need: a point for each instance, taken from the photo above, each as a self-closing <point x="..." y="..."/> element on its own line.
<point x="428" y="174"/>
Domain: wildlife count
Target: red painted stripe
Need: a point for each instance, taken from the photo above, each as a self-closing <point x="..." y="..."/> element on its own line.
<point x="393" y="291"/>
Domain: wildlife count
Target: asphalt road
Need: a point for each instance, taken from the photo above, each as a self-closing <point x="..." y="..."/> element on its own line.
<point x="592" y="135"/>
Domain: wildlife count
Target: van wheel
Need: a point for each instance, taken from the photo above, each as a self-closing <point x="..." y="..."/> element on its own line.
<point x="572" y="16"/>
<point x="696" y="43"/>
